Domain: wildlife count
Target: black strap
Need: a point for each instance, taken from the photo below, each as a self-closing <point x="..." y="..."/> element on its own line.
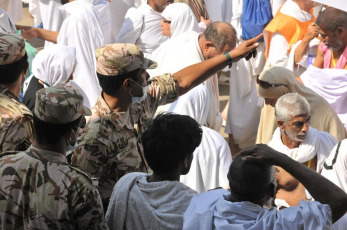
<point x="328" y="167"/>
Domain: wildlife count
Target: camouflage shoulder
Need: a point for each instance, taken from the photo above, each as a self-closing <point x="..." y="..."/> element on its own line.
<point x="85" y="175"/>
<point x="15" y="107"/>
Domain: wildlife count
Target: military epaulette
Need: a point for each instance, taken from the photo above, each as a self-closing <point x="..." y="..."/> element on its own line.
<point x="90" y="179"/>
<point x="6" y="153"/>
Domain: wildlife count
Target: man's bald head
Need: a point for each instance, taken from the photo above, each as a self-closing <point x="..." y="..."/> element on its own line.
<point x="332" y="18"/>
<point x="222" y="35"/>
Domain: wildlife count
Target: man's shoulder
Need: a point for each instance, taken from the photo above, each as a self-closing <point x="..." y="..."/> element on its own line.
<point x="12" y="108"/>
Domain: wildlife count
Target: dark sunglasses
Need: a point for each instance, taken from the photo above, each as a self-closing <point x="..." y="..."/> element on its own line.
<point x="266" y="85"/>
<point x="167" y="21"/>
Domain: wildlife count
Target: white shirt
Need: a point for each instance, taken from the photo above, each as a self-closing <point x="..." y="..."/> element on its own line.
<point x="142" y="27"/>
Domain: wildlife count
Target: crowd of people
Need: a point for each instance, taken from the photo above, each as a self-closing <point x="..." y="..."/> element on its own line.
<point x="115" y="123"/>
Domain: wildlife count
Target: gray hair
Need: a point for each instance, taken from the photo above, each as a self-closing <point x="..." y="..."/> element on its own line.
<point x="332" y="18"/>
<point x="291" y="105"/>
<point x="221" y="34"/>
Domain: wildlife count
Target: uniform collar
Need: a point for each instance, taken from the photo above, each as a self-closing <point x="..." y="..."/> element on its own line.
<point x="45" y="155"/>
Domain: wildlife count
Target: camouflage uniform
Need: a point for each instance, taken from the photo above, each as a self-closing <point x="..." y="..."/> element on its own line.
<point x="15" y="117"/>
<point x="110" y="146"/>
<point x="38" y="188"/>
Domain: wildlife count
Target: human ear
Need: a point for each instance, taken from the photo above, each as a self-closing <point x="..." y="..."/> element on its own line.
<point x="280" y="124"/>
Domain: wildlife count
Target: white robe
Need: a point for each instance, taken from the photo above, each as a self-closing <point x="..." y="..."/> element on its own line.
<point x="212" y="158"/>
<point x="118" y="9"/>
<point x="317" y="143"/>
<point x="77" y="32"/>
<point x="213" y="210"/>
<point x="13" y="8"/>
<point x="141" y="27"/>
<point x="278" y="55"/>
<point x="219" y="10"/>
<point x="331" y="84"/>
<point x="137" y="204"/>
<point x="184" y="51"/>
<point x="6" y="23"/>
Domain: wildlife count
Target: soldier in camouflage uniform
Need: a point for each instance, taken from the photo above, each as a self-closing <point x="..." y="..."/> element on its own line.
<point x="110" y="144"/>
<point x="15" y="117"/>
<point x="38" y="188"/>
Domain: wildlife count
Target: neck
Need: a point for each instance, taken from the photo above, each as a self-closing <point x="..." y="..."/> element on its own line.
<point x="170" y="177"/>
<point x="14" y="87"/>
<point x="59" y="146"/>
<point x="117" y="103"/>
<point x="304" y="5"/>
<point x="289" y="142"/>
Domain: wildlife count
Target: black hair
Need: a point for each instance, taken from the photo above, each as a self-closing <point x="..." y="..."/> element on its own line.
<point x="11" y="72"/>
<point x="220" y="36"/>
<point x="332" y="18"/>
<point x="48" y="133"/>
<point x="249" y="181"/>
<point x="111" y="84"/>
<point x="169" y="140"/>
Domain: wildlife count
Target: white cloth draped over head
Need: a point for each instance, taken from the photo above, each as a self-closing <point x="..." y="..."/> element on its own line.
<point x="212" y="157"/>
<point x="213" y="210"/>
<point x="137" y="204"/>
<point x="77" y="32"/>
<point x="331" y="84"/>
<point x="181" y="17"/>
<point x="13" y="8"/>
<point x="6" y="23"/>
<point x="54" y="64"/>
<point x="323" y="117"/>
<point x="316" y="143"/>
<point x="181" y="52"/>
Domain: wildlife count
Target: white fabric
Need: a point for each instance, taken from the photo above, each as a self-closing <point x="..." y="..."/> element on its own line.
<point x="275" y="5"/>
<point x="77" y="32"/>
<point x="331" y="84"/>
<point x="34" y="10"/>
<point x="118" y="9"/>
<point x="137" y="204"/>
<point x="181" y="17"/>
<point x="13" y="8"/>
<point x="184" y="51"/>
<point x="211" y="162"/>
<point x="54" y="64"/>
<point x="278" y="55"/>
<point x="6" y="23"/>
<point x="338" y="175"/>
<point x="317" y="143"/>
<point x="212" y="157"/>
<point x="141" y="26"/>
<point x="219" y="10"/>
<point x="244" y="103"/>
<point x="212" y="210"/>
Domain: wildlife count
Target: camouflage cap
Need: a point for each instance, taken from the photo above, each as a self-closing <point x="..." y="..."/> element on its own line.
<point x="12" y="48"/>
<point x="59" y="105"/>
<point x="121" y="58"/>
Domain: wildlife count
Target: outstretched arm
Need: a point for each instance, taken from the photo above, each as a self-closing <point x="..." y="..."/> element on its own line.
<point x="193" y="75"/>
<point x="32" y="32"/>
<point x="319" y="187"/>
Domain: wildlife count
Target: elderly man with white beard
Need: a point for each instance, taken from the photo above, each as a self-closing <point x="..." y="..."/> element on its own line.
<point x="300" y="142"/>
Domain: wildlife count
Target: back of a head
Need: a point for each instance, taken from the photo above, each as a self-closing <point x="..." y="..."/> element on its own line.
<point x="181" y="17"/>
<point x="291" y="105"/>
<point x="57" y="109"/>
<point x="13" y="57"/>
<point x="168" y="141"/>
<point x="222" y="34"/>
<point x="249" y="181"/>
<point x="332" y="18"/>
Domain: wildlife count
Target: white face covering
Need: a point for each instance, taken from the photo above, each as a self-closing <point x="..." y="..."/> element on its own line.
<point x="138" y="100"/>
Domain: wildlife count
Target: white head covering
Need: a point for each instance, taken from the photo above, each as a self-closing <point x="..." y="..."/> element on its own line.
<point x="6" y="23"/>
<point x="54" y="64"/>
<point x="181" y="17"/>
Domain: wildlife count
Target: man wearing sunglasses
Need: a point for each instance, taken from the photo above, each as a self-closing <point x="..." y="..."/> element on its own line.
<point x="295" y="138"/>
<point x="278" y="81"/>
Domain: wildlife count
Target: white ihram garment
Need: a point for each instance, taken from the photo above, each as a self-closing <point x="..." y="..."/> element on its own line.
<point x="77" y="32"/>
<point x="13" y="8"/>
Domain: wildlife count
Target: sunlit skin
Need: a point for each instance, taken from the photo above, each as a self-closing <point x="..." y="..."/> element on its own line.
<point x="165" y="27"/>
<point x="294" y="131"/>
